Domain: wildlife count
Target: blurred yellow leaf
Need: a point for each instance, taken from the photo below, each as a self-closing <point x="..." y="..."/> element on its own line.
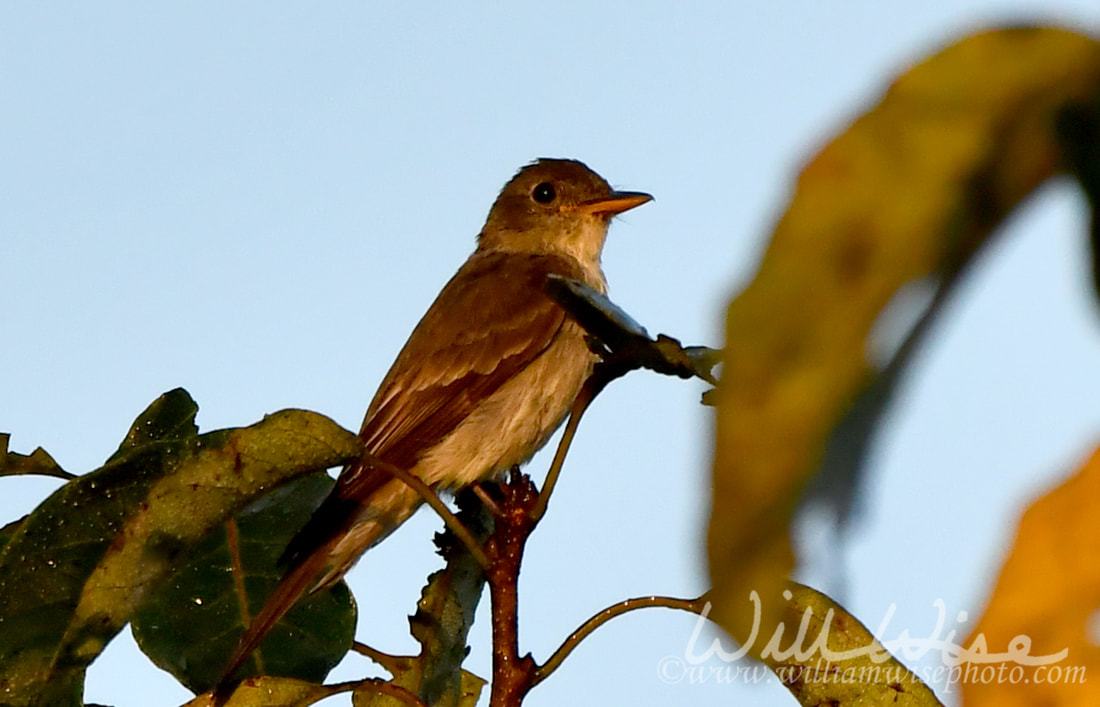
<point x="909" y="190"/>
<point x="1048" y="593"/>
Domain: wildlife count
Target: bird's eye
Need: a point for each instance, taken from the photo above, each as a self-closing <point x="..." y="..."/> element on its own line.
<point x="544" y="193"/>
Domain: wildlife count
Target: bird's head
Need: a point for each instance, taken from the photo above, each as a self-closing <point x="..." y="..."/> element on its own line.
<point x="555" y="206"/>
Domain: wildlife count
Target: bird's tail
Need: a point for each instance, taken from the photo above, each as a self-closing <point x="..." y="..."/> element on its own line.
<point x="333" y="549"/>
<point x="299" y="580"/>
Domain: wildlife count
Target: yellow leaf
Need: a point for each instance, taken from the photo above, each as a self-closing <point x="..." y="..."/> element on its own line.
<point x="1048" y="592"/>
<point x="824" y="656"/>
<point x="909" y="190"/>
<point x="268" y="691"/>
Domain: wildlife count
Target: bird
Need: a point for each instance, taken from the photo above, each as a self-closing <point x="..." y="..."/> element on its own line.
<point x="485" y="378"/>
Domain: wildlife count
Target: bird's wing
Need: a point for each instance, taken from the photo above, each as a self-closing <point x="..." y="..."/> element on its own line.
<point x="489" y="322"/>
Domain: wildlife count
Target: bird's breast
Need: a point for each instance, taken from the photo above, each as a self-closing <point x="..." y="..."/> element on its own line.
<point x="509" y="426"/>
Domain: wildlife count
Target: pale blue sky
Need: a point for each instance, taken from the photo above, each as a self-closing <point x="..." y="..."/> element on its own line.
<point x="258" y="201"/>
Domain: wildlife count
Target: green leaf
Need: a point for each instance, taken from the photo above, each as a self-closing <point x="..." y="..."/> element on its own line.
<point x="192" y="625"/>
<point x="75" y="570"/>
<point x="170" y="418"/>
<point x="441" y="624"/>
<point x="445" y="614"/>
<point x="8" y="531"/>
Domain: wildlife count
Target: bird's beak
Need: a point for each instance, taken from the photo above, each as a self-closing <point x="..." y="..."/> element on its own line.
<point x="614" y="203"/>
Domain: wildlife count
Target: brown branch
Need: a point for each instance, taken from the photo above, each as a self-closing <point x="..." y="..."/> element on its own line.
<point x="623" y="346"/>
<point x="512" y="674"/>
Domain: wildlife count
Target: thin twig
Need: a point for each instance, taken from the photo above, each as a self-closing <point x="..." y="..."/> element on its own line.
<point x="543" y="671"/>
<point x="486" y="500"/>
<point x="233" y="545"/>
<point x="605" y="371"/>
<point x="580" y="404"/>
<point x="437" y="504"/>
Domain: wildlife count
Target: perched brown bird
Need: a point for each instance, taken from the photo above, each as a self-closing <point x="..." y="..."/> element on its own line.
<point x="485" y="378"/>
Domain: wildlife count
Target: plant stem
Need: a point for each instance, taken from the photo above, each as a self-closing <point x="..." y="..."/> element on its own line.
<point x="543" y="671"/>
